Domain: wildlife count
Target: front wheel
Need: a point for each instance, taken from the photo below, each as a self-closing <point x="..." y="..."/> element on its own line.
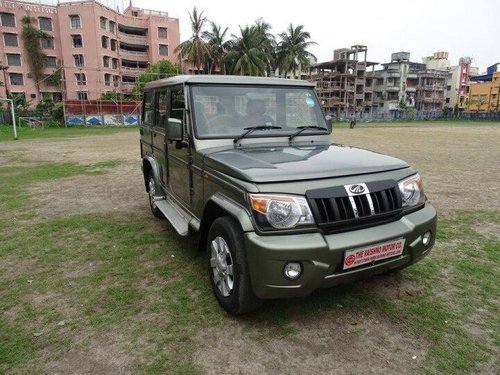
<point x="228" y="268"/>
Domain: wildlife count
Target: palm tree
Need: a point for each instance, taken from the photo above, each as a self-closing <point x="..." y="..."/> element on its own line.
<point x="292" y="51"/>
<point x="195" y="49"/>
<point x="248" y="55"/>
<point x="268" y="42"/>
<point x="219" y="46"/>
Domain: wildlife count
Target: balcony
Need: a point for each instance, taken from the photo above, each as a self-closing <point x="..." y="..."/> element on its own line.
<point x="359" y="96"/>
<point x="133" y="39"/>
<point x="392" y="88"/>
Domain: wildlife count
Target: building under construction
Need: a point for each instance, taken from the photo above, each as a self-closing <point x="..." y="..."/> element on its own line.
<point x="345" y="84"/>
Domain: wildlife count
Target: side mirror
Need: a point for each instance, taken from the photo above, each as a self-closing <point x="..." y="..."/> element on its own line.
<point x="174" y="129"/>
<point x="329" y="122"/>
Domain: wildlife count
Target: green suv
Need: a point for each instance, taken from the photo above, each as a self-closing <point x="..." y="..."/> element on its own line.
<point x="248" y="163"/>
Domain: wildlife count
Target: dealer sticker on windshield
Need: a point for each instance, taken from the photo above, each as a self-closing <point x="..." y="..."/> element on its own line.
<point x="373" y="253"/>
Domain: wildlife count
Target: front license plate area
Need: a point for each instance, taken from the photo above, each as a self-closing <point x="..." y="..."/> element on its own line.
<point x="373" y="253"/>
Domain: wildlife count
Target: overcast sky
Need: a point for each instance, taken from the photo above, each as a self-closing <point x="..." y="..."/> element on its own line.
<point x="460" y="27"/>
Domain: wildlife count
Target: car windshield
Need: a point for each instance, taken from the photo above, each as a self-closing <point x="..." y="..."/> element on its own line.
<point x="229" y="111"/>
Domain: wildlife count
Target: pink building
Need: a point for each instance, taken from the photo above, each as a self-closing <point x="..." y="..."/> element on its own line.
<point x="96" y="48"/>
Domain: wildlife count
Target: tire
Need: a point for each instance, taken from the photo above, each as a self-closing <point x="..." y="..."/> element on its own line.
<point x="152" y="193"/>
<point x="228" y="268"/>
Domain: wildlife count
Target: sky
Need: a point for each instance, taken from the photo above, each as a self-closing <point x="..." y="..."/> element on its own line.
<point x="459" y="27"/>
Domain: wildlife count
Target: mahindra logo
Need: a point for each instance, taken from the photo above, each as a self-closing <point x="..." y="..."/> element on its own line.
<point x="357" y="189"/>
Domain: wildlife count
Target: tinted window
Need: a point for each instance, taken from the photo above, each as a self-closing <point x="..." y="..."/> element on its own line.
<point x="148" y="109"/>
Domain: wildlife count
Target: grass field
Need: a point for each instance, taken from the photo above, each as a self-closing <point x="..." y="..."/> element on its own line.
<point x="90" y="282"/>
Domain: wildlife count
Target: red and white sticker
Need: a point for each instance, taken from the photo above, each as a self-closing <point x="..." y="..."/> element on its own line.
<point x="373" y="253"/>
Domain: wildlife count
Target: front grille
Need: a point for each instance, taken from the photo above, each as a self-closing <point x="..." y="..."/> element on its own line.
<point x="335" y="210"/>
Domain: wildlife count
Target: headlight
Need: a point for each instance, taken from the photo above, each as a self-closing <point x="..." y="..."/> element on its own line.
<point x="280" y="211"/>
<point x="412" y="191"/>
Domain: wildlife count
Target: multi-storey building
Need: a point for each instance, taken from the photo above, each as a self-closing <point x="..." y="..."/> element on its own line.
<point x="484" y="94"/>
<point x="344" y="85"/>
<point x="93" y="48"/>
<point x="457" y="86"/>
<point x="396" y="84"/>
<point x="403" y="85"/>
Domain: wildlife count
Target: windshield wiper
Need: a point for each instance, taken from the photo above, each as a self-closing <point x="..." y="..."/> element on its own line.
<point x="252" y="129"/>
<point x="303" y="128"/>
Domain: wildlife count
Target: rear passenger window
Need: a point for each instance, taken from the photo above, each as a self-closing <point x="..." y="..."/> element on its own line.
<point x="162" y="109"/>
<point x="148" y="109"/>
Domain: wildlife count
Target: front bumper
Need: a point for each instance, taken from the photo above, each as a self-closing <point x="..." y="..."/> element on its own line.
<point x="322" y="256"/>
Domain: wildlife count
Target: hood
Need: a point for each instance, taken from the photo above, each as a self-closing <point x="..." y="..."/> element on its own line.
<point x="273" y="164"/>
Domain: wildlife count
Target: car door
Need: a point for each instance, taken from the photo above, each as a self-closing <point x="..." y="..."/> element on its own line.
<point x="159" y="133"/>
<point x="178" y="160"/>
<point x="145" y="129"/>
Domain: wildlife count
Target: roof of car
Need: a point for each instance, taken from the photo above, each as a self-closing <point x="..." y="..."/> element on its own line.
<point x="225" y="79"/>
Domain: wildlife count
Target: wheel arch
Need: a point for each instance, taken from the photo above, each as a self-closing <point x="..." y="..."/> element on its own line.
<point x="219" y="206"/>
<point x="149" y="164"/>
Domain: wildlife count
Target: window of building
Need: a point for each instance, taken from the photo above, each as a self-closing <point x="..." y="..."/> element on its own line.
<point x="10" y="40"/>
<point x="47" y="43"/>
<point x="162" y="32"/>
<point x="447" y="100"/>
<point x="81" y="79"/>
<point x="57" y="97"/>
<point x="102" y="22"/>
<point x="104" y="41"/>
<point x="79" y="60"/>
<point x="8" y="19"/>
<point x="116" y="81"/>
<point x="135" y="13"/>
<point x="45" y="23"/>
<point x="107" y="79"/>
<point x="75" y="22"/>
<point x="115" y="63"/>
<point x="77" y="41"/>
<point x="105" y="61"/>
<point x="163" y="50"/>
<point x="82" y="95"/>
<point x="114" y="44"/>
<point x="448" y="88"/>
<point x="51" y="62"/>
<point x="16" y="79"/>
<point x="112" y="27"/>
<point x="13" y="59"/>
<point x="48" y="81"/>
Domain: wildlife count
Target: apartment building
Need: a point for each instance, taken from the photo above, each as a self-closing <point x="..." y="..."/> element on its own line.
<point x="90" y="46"/>
<point x="403" y="85"/>
<point x="345" y="84"/>
<point x="457" y="85"/>
<point x="484" y="94"/>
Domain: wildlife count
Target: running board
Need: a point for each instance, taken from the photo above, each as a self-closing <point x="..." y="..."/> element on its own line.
<point x="174" y="214"/>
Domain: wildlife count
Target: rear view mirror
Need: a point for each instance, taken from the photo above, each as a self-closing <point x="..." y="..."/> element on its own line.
<point x="174" y="129"/>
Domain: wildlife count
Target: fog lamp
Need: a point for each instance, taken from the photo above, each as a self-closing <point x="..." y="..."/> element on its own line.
<point x="292" y="270"/>
<point x="426" y="238"/>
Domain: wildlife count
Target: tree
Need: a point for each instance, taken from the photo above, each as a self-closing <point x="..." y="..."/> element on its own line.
<point x="195" y="49"/>
<point x="219" y="46"/>
<point x="162" y="69"/>
<point x="250" y="53"/>
<point x="292" y="51"/>
<point x="36" y="58"/>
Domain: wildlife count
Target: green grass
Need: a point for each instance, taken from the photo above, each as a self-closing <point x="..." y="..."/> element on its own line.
<point x="15" y="180"/>
<point x="133" y="282"/>
<point x="152" y="285"/>
<point x="7" y="133"/>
